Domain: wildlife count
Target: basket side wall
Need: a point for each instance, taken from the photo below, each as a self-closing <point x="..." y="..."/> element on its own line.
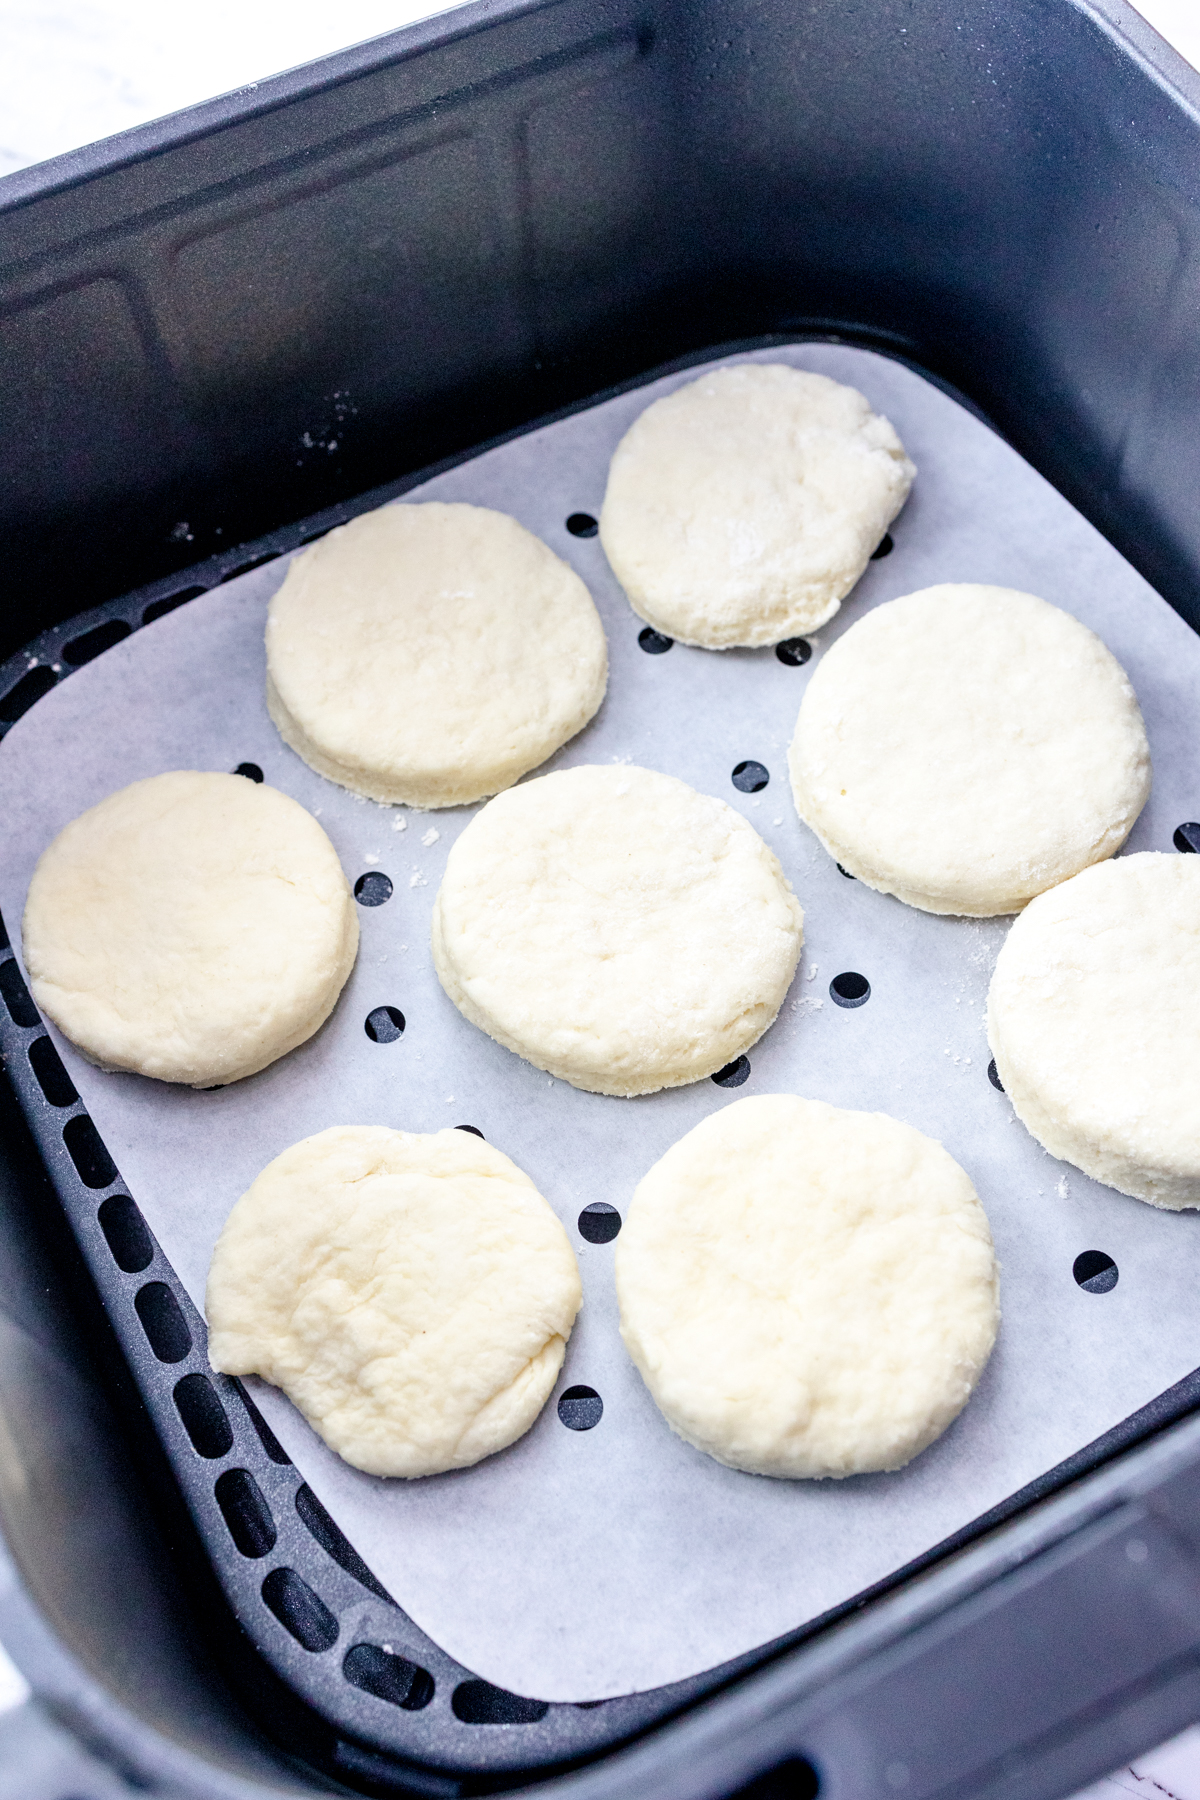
<point x="252" y="311"/>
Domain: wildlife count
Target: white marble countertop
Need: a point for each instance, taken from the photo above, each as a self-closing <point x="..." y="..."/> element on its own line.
<point x="73" y="71"/>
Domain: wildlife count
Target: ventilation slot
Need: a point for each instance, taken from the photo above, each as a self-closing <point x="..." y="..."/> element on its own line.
<point x="53" y="1079"/>
<point x="299" y="1610"/>
<point x="21" y="1009"/>
<point x="204" y="1418"/>
<point x="245" y="1512"/>
<point x="266" y="1436"/>
<point x="19" y="698"/>
<point x="334" y="1543"/>
<point x="165" y="1327"/>
<point x="96" y="1167"/>
<point x="125" y="1234"/>
<point x="479" y="1703"/>
<point x="389" y="1677"/>
<point x="93" y="643"/>
<point x="158" y="609"/>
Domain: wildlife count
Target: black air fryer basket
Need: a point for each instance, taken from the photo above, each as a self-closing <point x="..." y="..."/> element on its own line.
<point x="428" y="244"/>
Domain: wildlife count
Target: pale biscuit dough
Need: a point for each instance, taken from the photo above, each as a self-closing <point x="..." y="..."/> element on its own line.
<point x="742" y="508"/>
<point x="430" y="654"/>
<point x="1094" y="1022"/>
<point x="807" y="1291"/>
<point x="411" y="1293"/>
<point x="967" y="747"/>
<point x="192" y="927"/>
<point x="616" y="928"/>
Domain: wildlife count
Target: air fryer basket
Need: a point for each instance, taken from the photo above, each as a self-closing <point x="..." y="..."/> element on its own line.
<point x="257" y="312"/>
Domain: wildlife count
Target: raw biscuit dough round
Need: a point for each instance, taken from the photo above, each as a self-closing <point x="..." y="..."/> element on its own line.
<point x="742" y="508"/>
<point x="412" y="1293"/>
<point x="616" y="928"/>
<point x="1094" y="1022"/>
<point x="191" y="927"/>
<point x="429" y="654"/>
<point x="967" y="747"/>
<point x="807" y="1291"/>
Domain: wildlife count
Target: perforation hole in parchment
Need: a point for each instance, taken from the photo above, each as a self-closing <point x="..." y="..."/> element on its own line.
<point x="580" y="1408"/>
<point x="373" y="889"/>
<point x="384" y="1025"/>
<point x="794" y="652"/>
<point x="734" y="1073"/>
<point x="1095" y="1271"/>
<point x="850" y="989"/>
<point x="749" y="777"/>
<point x="654" y="643"/>
<point x="599" y="1222"/>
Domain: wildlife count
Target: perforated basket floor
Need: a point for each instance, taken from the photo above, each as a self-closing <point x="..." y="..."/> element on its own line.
<point x="294" y="1579"/>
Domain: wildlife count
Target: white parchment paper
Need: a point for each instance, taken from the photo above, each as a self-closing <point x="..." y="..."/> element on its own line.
<point x="578" y="1565"/>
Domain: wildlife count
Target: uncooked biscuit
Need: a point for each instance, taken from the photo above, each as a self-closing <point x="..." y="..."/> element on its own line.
<point x="742" y="508"/>
<point x="967" y="747"/>
<point x="616" y="928"/>
<point x="411" y="1293"/>
<point x="807" y="1291"/>
<point x="429" y="654"/>
<point x="1094" y="1022"/>
<point x="192" y="927"/>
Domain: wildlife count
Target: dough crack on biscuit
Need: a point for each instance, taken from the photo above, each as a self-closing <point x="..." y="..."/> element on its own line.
<point x="807" y="1292"/>
<point x="1094" y="1022"/>
<point x="616" y="928"/>
<point x="192" y="927"/>
<point x="967" y="747"/>
<point x="429" y="654"/>
<point x="742" y="508"/>
<point x="411" y="1293"/>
